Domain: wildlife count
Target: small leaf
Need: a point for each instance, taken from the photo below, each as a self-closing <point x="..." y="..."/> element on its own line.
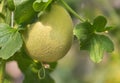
<point x="107" y="43"/>
<point x="96" y="49"/>
<point x="98" y="45"/>
<point x="99" y="24"/>
<point x="39" y="5"/>
<point x="24" y="12"/>
<point x="83" y="30"/>
<point x="10" y="41"/>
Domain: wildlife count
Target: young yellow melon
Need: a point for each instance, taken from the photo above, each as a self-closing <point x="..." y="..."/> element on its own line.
<point x="50" y="39"/>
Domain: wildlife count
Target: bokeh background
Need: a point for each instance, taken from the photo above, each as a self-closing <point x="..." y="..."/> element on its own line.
<point x="76" y="66"/>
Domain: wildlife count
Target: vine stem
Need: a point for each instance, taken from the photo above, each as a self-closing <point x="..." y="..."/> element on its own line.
<point x="41" y="70"/>
<point x="2" y="71"/>
<point x="72" y="11"/>
<point x="12" y="19"/>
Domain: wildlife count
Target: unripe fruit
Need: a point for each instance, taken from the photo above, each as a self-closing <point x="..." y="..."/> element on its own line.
<point x="50" y="39"/>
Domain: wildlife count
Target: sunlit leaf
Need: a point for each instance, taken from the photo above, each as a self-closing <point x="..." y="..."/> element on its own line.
<point x="10" y="41"/>
<point x="99" y="44"/>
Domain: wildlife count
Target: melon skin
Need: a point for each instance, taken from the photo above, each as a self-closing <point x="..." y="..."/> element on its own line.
<point x="49" y="39"/>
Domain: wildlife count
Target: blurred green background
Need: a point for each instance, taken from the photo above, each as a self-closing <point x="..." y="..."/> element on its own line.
<point x="76" y="66"/>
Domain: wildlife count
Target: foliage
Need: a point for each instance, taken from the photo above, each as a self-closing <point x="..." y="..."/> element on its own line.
<point x="90" y="38"/>
<point x="17" y="14"/>
<point x="8" y="38"/>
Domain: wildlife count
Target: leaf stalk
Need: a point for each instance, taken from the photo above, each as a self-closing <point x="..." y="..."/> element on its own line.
<point x="72" y="11"/>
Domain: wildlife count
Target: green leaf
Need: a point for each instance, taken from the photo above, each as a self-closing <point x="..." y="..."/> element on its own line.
<point x="11" y="5"/>
<point x="5" y="32"/>
<point x="107" y="43"/>
<point x="98" y="45"/>
<point x="83" y="30"/>
<point x="94" y="43"/>
<point x="99" y="24"/>
<point x="39" y="5"/>
<point x="96" y="49"/>
<point x="24" y="12"/>
<point x="10" y="41"/>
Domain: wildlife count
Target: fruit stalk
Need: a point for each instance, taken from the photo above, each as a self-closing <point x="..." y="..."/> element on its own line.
<point x="72" y="11"/>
